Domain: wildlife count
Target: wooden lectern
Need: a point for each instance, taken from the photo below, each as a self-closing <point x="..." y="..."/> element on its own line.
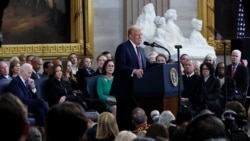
<point x="158" y="88"/>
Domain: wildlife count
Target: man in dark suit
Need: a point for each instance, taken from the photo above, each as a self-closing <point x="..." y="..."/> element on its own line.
<point x="4" y="70"/>
<point x="37" y="64"/>
<point x="240" y="75"/>
<point x="130" y="61"/>
<point x="24" y="87"/>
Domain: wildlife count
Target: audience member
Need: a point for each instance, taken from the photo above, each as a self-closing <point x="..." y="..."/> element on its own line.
<point x="47" y="67"/>
<point x="104" y="84"/>
<point x="125" y="136"/>
<point x="191" y="95"/>
<point x="14" y="68"/>
<point x="66" y="122"/>
<point x="60" y="90"/>
<point x="183" y="58"/>
<point x="240" y="75"/>
<point x="29" y="58"/>
<point x="166" y="117"/>
<point x="68" y="74"/>
<point x="209" y="58"/>
<point x="34" y="134"/>
<point x="92" y="117"/>
<point x="74" y="61"/>
<point x="212" y="88"/>
<point x="227" y="85"/>
<point x="107" y="54"/>
<point x="197" y="64"/>
<point x="100" y="61"/>
<point x="152" y="56"/>
<point x="57" y="61"/>
<point x="128" y="65"/>
<point x="36" y="63"/>
<point x="155" y="114"/>
<point x="13" y="120"/>
<point x="84" y="71"/>
<point x="205" y="126"/>
<point x="161" y="59"/>
<point x="107" y="128"/>
<point x="240" y="116"/>
<point x="24" y="87"/>
<point x="139" y="119"/>
<point x="157" y="130"/>
<point x="22" y="59"/>
<point x="4" y="70"/>
<point x="183" y="117"/>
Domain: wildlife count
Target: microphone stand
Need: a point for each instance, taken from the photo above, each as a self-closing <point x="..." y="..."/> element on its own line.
<point x="159" y="46"/>
<point x="179" y="74"/>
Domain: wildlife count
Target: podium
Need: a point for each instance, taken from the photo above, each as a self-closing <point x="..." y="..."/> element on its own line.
<point x="158" y="88"/>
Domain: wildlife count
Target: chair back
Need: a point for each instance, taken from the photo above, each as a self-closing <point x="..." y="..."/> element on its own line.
<point x="91" y="84"/>
<point x="41" y="87"/>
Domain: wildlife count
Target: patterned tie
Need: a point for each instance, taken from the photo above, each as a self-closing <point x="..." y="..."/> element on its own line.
<point x="38" y="76"/>
<point x="241" y="22"/>
<point x="139" y="56"/>
<point x="233" y="71"/>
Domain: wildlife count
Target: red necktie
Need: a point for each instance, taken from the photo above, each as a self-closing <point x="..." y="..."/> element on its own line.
<point x="233" y="71"/>
<point x="139" y="57"/>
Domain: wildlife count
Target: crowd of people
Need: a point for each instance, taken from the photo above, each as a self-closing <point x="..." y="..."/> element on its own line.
<point x="65" y="110"/>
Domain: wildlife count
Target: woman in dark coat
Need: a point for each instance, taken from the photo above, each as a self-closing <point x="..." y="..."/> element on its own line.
<point x="61" y="90"/>
<point x="211" y="87"/>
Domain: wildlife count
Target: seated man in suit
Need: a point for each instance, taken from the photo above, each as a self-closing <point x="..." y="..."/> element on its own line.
<point x="37" y="64"/>
<point x="24" y="87"/>
<point x="240" y="75"/>
<point x="4" y="70"/>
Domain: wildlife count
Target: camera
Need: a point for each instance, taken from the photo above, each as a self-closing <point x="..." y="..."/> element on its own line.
<point x="234" y="126"/>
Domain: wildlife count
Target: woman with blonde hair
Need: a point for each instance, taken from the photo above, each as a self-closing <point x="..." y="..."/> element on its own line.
<point x="107" y="128"/>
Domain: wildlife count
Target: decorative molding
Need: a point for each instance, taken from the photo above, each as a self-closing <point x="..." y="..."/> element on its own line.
<point x="50" y="51"/>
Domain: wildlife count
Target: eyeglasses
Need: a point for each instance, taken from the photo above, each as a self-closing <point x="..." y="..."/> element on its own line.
<point x="205" y="69"/>
<point x="111" y="66"/>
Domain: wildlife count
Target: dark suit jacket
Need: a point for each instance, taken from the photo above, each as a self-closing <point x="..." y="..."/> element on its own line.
<point x="81" y="75"/>
<point x="3" y="77"/>
<point x="29" y="98"/>
<point x="34" y="76"/>
<point x="241" y="78"/>
<point x="125" y="61"/>
<point x="91" y="133"/>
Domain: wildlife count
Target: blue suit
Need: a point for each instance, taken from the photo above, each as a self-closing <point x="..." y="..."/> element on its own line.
<point x="36" y="105"/>
<point x="122" y="88"/>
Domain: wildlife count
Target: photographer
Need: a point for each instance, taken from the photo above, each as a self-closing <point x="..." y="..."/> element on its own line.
<point x="235" y="121"/>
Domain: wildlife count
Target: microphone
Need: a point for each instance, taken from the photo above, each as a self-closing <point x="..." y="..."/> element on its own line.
<point x="148" y="44"/>
<point x="159" y="46"/>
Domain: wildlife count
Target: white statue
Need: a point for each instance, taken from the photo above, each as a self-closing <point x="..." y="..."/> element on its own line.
<point x="146" y="21"/>
<point x="175" y="35"/>
<point x="196" y="38"/>
<point x="161" y="36"/>
<point x="164" y="31"/>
